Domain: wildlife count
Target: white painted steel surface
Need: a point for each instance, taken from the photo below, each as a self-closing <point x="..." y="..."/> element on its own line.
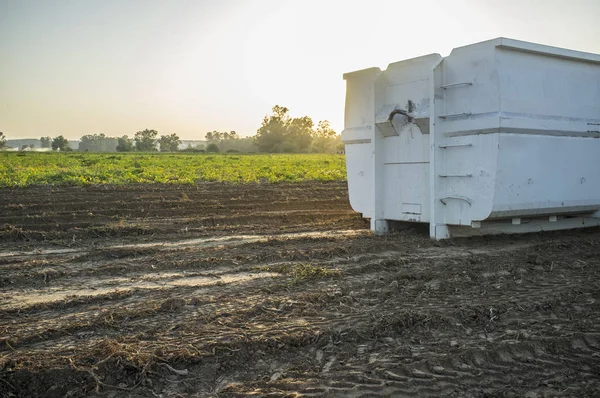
<point x="497" y="131"/>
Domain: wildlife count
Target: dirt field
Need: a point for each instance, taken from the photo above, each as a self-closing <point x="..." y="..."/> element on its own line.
<point x="279" y="290"/>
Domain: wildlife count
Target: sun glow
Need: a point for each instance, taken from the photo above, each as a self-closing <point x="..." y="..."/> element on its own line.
<point x="188" y="67"/>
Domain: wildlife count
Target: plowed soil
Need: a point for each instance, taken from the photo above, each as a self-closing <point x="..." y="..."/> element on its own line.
<point x="280" y="290"/>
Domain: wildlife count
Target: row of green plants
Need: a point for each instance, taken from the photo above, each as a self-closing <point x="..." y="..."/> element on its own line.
<point x="21" y="169"/>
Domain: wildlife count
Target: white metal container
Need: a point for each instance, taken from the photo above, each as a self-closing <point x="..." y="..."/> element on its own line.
<point x="499" y="136"/>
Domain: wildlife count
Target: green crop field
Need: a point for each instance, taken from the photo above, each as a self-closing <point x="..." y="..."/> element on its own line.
<point x="20" y="169"/>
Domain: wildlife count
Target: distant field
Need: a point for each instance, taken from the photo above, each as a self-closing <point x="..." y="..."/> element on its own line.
<point x="24" y="169"/>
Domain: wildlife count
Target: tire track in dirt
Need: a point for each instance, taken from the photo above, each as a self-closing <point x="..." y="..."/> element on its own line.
<point x="140" y="212"/>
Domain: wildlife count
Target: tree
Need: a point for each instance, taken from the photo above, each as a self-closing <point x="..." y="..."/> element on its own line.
<point x="2" y="140"/>
<point x="229" y="141"/>
<point x="124" y="144"/>
<point x="216" y="136"/>
<point x="324" y="130"/>
<point x="212" y="147"/>
<point x="300" y="133"/>
<point x="340" y="147"/>
<point x="169" y="143"/>
<point x="145" y="141"/>
<point x="238" y="144"/>
<point x="97" y="143"/>
<point x="60" y="143"/>
<point x="280" y="133"/>
<point x="325" y="138"/>
<point x="273" y="131"/>
<point x="197" y="148"/>
<point x="45" y="142"/>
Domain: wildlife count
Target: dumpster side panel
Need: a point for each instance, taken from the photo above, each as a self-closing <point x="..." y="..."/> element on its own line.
<point x="549" y="150"/>
<point x="545" y="94"/>
<point x="546" y="175"/>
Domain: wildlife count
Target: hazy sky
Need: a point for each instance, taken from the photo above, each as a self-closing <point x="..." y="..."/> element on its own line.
<point x="115" y="66"/>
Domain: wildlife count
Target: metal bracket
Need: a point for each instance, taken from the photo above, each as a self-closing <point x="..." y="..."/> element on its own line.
<point x="455" y="115"/>
<point x="454" y="146"/>
<point x="457" y="85"/>
<point x="444" y="200"/>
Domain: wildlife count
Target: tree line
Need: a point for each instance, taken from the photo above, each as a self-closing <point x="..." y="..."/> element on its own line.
<point x="278" y="133"/>
<point x="143" y="141"/>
